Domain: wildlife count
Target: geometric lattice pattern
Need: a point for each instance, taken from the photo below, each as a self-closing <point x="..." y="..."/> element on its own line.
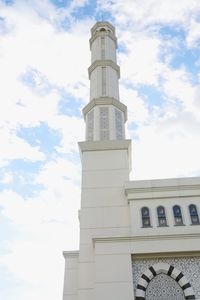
<point x="102" y="47"/>
<point x="164" y="287"/>
<point x="103" y="81"/>
<point x="119" y="125"/>
<point x="104" y="123"/>
<point x="90" y="126"/>
<point x="188" y="266"/>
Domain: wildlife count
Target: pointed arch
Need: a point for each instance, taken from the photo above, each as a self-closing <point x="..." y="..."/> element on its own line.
<point x="169" y="270"/>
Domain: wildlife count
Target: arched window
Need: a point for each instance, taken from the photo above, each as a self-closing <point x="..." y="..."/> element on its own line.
<point x="177" y="215"/>
<point x="162" y="221"/>
<point x="145" y="217"/>
<point x="194" y="214"/>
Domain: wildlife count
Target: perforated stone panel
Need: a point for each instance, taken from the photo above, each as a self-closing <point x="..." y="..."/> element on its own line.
<point x="104" y="123"/>
<point x="164" y="287"/>
<point x="103" y="81"/>
<point x="119" y="125"/>
<point x="189" y="266"/>
<point x="90" y="126"/>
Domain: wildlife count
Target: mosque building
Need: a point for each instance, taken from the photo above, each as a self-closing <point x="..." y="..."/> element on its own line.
<point x="138" y="239"/>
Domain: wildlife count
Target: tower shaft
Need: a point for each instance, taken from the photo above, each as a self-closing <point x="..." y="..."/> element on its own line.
<point x="105" y="115"/>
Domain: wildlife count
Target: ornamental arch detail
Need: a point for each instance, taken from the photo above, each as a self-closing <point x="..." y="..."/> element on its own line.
<point x="169" y="270"/>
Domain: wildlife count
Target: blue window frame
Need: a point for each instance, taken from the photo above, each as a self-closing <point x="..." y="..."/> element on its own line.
<point x="162" y="221"/>
<point x="146" y="222"/>
<point x="194" y="214"/>
<point x="178" y="219"/>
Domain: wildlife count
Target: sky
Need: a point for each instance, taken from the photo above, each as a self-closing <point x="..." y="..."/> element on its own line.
<point x="44" y="85"/>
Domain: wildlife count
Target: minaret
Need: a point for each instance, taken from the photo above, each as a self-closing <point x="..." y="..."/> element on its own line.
<point x="105" y="115"/>
<point x="105" y="158"/>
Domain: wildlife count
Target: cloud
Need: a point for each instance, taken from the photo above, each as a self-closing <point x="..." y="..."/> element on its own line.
<point x="43" y="225"/>
<point x="145" y="65"/>
<point x="13" y="147"/>
<point x="151" y="12"/>
<point x="44" y="58"/>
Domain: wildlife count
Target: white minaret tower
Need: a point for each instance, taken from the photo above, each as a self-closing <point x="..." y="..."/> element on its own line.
<point x="94" y="273"/>
<point x="105" y="115"/>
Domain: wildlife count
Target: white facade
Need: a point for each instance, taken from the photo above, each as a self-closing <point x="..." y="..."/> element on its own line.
<point x="138" y="239"/>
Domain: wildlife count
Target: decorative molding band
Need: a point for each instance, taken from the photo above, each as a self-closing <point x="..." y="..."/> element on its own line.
<point x="105" y="101"/>
<point x="166" y="255"/>
<point x="104" y="63"/>
<point x="175" y="188"/>
<point x="150" y="197"/>
<point x="169" y="270"/>
<point x="70" y="254"/>
<point x="100" y="34"/>
<point x="147" y="238"/>
<point x="102" y="24"/>
<point x="105" y="145"/>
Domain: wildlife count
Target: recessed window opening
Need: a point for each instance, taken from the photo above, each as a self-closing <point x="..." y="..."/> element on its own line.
<point x="145" y="217"/>
<point x="194" y="214"/>
<point x="178" y="219"/>
<point x="162" y="221"/>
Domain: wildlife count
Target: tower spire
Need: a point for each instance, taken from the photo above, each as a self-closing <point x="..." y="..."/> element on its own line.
<point x="105" y="115"/>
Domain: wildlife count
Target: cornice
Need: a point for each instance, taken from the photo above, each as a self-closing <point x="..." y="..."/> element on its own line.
<point x="104" y="63"/>
<point x="102" y="34"/>
<point x="105" y="145"/>
<point x="102" y="24"/>
<point x="166" y="254"/>
<point x="164" y="188"/>
<point x="71" y="253"/>
<point x="138" y="238"/>
<point x="105" y="101"/>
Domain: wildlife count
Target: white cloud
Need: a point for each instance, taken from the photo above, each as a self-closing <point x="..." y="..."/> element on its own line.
<point x="145" y="64"/>
<point x="7" y="178"/>
<point x="136" y="106"/>
<point x="13" y="147"/>
<point x="144" y="13"/>
<point x="49" y="52"/>
<point x="193" y="34"/>
<point x="167" y="138"/>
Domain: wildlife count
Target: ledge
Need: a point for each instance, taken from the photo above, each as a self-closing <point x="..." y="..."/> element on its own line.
<point x="74" y="253"/>
<point x="104" y="63"/>
<point x="105" y="101"/>
<point x="159" y="237"/>
<point x="163" y="188"/>
<point x="105" y="145"/>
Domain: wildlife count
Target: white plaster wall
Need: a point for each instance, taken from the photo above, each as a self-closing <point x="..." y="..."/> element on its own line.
<point x="168" y="203"/>
<point x="112" y="83"/>
<point x="104" y="212"/>
<point x="96" y="49"/>
<point x="110" y="52"/>
<point x="110" y="49"/>
<point x="71" y="277"/>
<point x="113" y="272"/>
<point x="96" y="83"/>
<point x="112" y="87"/>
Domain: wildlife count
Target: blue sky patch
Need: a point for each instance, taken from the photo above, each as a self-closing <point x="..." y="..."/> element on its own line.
<point x="89" y="9"/>
<point x="153" y="96"/>
<point x="24" y="174"/>
<point x="68" y="105"/>
<point x="41" y="136"/>
<point x="61" y="3"/>
<point x="36" y="81"/>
